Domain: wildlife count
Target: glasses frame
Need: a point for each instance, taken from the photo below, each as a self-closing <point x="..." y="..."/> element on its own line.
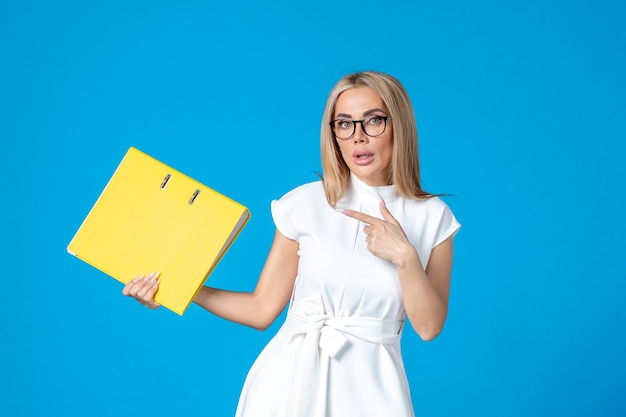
<point x="354" y="123"/>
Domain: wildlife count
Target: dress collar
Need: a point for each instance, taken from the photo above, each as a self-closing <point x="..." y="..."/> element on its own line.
<point x="359" y="194"/>
<point x="386" y="192"/>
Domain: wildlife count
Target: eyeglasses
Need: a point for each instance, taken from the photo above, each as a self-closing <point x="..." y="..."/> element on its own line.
<point x="372" y="126"/>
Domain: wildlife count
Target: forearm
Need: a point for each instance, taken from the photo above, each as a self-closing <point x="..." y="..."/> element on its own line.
<point x="260" y="308"/>
<point x="425" y="307"/>
<point x="239" y="307"/>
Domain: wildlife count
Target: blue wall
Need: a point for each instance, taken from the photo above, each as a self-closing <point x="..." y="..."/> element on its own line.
<point x="521" y="108"/>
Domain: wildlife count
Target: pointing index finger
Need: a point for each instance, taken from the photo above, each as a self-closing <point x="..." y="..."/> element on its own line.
<point x="365" y="218"/>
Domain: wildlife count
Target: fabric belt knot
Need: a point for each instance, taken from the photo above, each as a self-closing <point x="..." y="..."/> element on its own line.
<point x="320" y="337"/>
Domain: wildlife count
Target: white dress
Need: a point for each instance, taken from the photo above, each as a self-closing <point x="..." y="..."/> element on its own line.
<point x="338" y="352"/>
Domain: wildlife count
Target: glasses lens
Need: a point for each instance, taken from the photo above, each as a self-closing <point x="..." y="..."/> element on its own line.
<point x="343" y="128"/>
<point x="374" y="126"/>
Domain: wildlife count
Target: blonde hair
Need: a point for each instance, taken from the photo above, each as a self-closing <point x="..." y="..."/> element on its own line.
<point x="405" y="171"/>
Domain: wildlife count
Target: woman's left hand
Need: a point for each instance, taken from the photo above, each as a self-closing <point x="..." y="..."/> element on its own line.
<point x="385" y="237"/>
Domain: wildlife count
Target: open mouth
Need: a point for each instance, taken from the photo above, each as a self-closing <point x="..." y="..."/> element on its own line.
<point x="362" y="157"/>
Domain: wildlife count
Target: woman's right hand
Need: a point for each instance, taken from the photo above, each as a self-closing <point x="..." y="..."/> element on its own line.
<point x="143" y="289"/>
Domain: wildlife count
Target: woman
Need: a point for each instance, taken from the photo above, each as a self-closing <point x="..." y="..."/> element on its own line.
<point x="356" y="254"/>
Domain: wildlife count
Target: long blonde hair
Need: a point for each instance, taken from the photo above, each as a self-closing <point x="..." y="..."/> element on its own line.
<point x="405" y="170"/>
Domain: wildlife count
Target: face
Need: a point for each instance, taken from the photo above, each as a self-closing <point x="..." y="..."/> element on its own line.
<point x="369" y="158"/>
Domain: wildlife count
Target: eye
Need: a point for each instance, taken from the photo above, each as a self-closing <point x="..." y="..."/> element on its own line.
<point x="375" y="120"/>
<point x="344" y="124"/>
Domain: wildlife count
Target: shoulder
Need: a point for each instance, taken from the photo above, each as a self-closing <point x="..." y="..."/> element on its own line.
<point x="293" y="209"/>
<point x="301" y="200"/>
<point x="432" y="218"/>
<point x="426" y="213"/>
<point x="304" y="193"/>
<point x="431" y="205"/>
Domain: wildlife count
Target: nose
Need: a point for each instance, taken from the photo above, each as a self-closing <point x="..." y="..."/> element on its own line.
<point x="359" y="133"/>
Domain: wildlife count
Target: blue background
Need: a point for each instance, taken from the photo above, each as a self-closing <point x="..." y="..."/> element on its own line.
<point x="521" y="108"/>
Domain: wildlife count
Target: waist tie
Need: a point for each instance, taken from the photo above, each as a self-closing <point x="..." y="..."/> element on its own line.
<point x="317" y="337"/>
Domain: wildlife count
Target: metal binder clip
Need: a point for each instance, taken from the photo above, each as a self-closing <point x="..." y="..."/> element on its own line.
<point x="165" y="181"/>
<point x="193" y="197"/>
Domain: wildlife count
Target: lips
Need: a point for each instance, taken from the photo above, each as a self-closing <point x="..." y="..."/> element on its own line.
<point x="362" y="157"/>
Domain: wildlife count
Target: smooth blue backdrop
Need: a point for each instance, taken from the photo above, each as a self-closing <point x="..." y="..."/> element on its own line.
<point x="521" y="107"/>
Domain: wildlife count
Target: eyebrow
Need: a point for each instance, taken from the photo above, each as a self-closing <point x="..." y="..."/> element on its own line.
<point x="367" y="113"/>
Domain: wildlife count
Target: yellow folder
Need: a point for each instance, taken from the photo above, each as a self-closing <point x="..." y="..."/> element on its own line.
<point x="151" y="217"/>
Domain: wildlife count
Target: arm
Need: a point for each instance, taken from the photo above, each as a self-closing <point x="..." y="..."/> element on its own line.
<point x="424" y="292"/>
<point x="260" y="308"/>
<point x="257" y="309"/>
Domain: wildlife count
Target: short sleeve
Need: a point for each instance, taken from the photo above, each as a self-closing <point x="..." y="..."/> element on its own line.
<point x="294" y="212"/>
<point x="448" y="226"/>
<point x="282" y="210"/>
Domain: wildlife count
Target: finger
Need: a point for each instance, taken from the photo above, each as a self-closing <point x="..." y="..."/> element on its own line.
<point x="387" y="214"/>
<point x="365" y="218"/>
<point x="131" y="287"/>
<point x="143" y="289"/>
<point x="149" y="296"/>
<point x="138" y="286"/>
<point x="369" y="230"/>
<point x="144" y="285"/>
<point x="149" y="301"/>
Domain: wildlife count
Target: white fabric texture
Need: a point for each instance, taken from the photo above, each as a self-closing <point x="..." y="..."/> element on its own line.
<point x="338" y="352"/>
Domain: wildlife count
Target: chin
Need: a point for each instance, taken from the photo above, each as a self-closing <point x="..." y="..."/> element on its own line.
<point x="373" y="179"/>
